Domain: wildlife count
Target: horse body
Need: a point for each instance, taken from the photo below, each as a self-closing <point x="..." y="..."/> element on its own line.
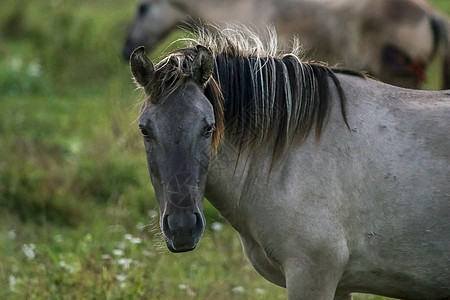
<point x="359" y="210"/>
<point x="394" y="40"/>
<point x="362" y="204"/>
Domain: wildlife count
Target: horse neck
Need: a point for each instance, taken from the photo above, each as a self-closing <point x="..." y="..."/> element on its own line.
<point x="227" y="181"/>
<point x="236" y="176"/>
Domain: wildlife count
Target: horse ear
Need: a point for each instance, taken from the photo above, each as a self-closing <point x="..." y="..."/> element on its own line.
<point x="141" y="67"/>
<point x="202" y="65"/>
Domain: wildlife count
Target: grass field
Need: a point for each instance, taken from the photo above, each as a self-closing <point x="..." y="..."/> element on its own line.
<point x="78" y="216"/>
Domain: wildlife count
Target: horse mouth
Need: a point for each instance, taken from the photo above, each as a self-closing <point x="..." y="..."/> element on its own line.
<point x="180" y="245"/>
<point x="181" y="249"/>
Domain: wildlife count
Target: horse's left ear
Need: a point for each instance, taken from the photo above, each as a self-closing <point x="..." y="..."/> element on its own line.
<point x="141" y="67"/>
<point x="202" y="65"/>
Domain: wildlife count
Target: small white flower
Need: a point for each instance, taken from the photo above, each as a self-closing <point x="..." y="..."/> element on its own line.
<point x="260" y="291"/>
<point x="66" y="267"/>
<point x="106" y="256"/>
<point x="121" y="277"/>
<point x="74" y="146"/>
<point x="125" y="262"/>
<point x="12" y="234"/>
<point x="183" y="286"/>
<point x="217" y="226"/>
<point x="34" y="69"/>
<point x="118" y="252"/>
<point x="12" y="283"/>
<point x="238" y="289"/>
<point x="28" y="250"/>
<point x="132" y="239"/>
<point x="136" y="240"/>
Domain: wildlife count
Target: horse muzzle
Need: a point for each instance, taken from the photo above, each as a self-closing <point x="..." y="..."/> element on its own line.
<point x="182" y="230"/>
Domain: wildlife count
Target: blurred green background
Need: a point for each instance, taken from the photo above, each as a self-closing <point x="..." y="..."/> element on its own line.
<point x="78" y="217"/>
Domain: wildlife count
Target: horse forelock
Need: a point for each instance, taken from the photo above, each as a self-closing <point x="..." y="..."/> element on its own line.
<point x="258" y="92"/>
<point x="173" y="72"/>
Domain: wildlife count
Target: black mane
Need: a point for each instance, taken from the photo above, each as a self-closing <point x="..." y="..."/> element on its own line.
<point x="258" y="96"/>
<point x="279" y="99"/>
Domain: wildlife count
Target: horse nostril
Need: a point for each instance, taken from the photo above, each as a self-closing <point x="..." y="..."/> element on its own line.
<point x="166" y="228"/>
<point x="199" y="225"/>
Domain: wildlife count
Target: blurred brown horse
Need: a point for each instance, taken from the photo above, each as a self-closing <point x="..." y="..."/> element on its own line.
<point x="394" y="40"/>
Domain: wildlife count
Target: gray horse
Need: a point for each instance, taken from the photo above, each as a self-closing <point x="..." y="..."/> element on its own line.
<point x="394" y="40"/>
<point x="336" y="183"/>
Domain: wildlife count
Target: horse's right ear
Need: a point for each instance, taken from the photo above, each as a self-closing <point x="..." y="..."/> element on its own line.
<point x="141" y="67"/>
<point x="202" y="65"/>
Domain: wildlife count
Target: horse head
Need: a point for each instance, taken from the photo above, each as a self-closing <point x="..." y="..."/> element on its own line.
<point x="153" y="21"/>
<point x="401" y="39"/>
<point x="177" y="122"/>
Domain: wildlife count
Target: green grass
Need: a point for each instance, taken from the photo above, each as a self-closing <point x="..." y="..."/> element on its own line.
<point x="100" y="261"/>
<point x="78" y="210"/>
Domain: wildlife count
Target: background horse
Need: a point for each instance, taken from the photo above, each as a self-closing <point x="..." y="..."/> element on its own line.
<point x="394" y="40"/>
<point x="361" y="205"/>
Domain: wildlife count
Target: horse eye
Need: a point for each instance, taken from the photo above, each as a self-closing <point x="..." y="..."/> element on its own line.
<point x="144" y="131"/>
<point x="209" y="130"/>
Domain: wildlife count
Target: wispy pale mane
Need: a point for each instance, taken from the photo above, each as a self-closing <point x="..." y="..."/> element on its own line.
<point x="263" y="94"/>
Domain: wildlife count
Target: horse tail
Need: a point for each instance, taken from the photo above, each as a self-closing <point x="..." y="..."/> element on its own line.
<point x="441" y="40"/>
